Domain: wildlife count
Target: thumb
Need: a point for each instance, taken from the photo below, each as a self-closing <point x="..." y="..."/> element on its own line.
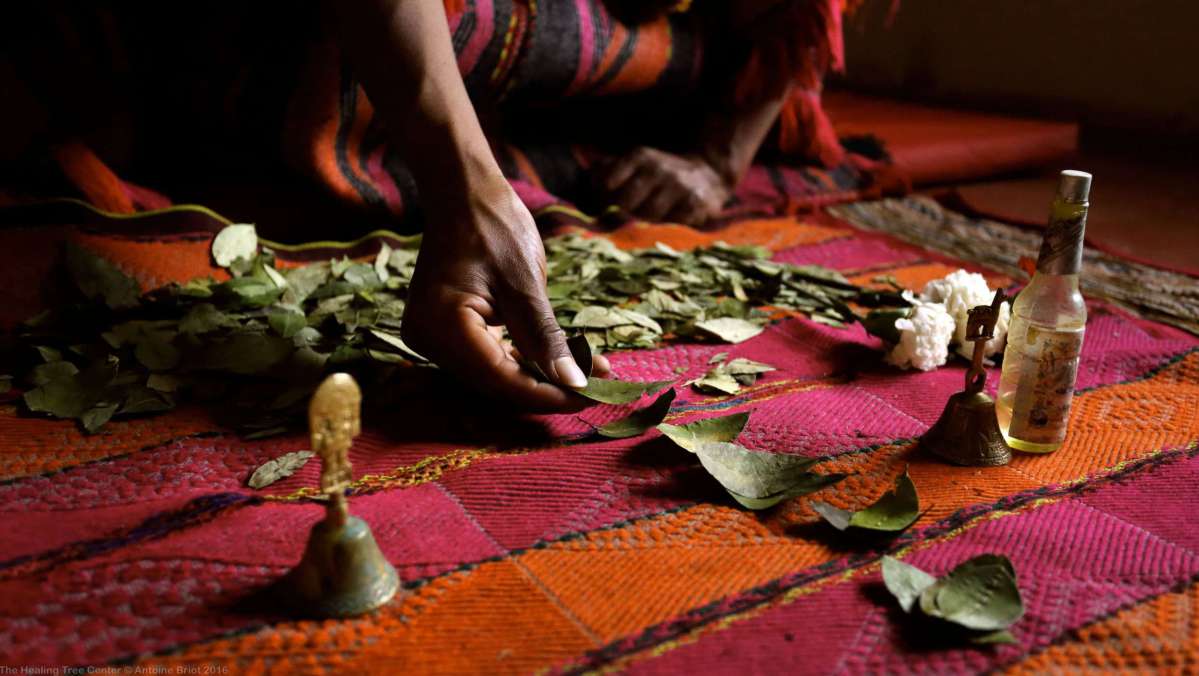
<point x="536" y="333"/>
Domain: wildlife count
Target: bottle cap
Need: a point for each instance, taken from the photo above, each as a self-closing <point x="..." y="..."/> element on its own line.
<point x="1074" y="186"/>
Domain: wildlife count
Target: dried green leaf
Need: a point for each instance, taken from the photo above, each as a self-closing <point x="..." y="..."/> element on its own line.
<point x="203" y="318"/>
<point x="759" y="480"/>
<point x="596" y="317"/>
<point x="397" y="343"/>
<point x="246" y="353"/>
<point x="48" y="354"/>
<point x="808" y="484"/>
<point x="905" y="581"/>
<point x="580" y="351"/>
<point x="155" y="352"/>
<point x="286" y="322"/>
<point x="717" y="381"/>
<point x="279" y="468"/>
<point x="73" y="396"/>
<point x="1003" y="636"/>
<point x="718" y="357"/>
<point x="744" y="367"/>
<point x="306" y="337"/>
<point x="637" y="422"/>
<point x="97" y="278"/>
<point x="234" y="242"/>
<point x="692" y="435"/>
<point x="621" y="391"/>
<point x="162" y="382"/>
<point x="897" y="509"/>
<point x="382" y="259"/>
<point x="979" y="594"/>
<point x="139" y="399"/>
<point x="881" y="324"/>
<point x="666" y="250"/>
<point x="304" y="280"/>
<point x="55" y="370"/>
<point x="730" y="329"/>
<point x="196" y="288"/>
<point x="251" y="291"/>
<point x="94" y="418"/>
<point x="273" y="275"/>
<point x="362" y="276"/>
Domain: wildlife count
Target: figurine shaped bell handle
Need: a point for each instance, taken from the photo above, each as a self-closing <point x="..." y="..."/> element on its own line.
<point x="343" y="572"/>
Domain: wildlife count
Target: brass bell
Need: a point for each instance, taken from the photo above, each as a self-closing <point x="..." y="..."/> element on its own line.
<point x="342" y="572"/>
<point x="967" y="433"/>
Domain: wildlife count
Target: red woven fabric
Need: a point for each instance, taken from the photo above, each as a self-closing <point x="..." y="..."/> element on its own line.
<point x="525" y="547"/>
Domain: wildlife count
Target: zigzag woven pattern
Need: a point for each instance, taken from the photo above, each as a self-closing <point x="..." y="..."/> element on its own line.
<point x="523" y="552"/>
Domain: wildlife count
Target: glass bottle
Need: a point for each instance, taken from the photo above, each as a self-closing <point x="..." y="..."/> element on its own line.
<point x="1040" y="363"/>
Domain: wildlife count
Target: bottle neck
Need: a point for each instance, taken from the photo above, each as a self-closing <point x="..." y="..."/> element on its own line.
<point x="1061" y="250"/>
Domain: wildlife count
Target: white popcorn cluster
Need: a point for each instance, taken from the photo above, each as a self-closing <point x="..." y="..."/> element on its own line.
<point x="923" y="337"/>
<point x="958" y="292"/>
<point x="937" y="319"/>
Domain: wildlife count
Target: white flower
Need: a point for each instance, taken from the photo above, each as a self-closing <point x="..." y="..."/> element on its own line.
<point x="959" y="291"/>
<point x="923" y="337"/>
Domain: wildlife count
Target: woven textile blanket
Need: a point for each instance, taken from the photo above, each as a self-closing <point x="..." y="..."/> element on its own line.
<point x="524" y="548"/>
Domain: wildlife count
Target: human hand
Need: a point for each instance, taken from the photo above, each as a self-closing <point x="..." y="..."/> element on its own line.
<point x="660" y="186"/>
<point x="482" y="265"/>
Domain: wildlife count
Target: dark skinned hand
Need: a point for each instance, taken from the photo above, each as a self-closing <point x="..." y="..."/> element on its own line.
<point x="659" y="186"/>
<point x="482" y="265"/>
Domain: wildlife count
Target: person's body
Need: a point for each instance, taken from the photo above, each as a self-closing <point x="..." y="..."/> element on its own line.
<point x="482" y="262"/>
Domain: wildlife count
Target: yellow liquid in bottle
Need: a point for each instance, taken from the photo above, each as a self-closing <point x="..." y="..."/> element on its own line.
<point x="1040" y="364"/>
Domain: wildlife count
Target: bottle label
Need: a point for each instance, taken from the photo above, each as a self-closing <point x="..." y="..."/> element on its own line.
<point x="1041" y="409"/>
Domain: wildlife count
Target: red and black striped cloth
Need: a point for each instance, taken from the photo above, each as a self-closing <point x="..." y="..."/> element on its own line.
<point x="186" y="85"/>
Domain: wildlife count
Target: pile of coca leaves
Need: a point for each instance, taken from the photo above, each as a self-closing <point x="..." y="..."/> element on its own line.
<point x="261" y="340"/>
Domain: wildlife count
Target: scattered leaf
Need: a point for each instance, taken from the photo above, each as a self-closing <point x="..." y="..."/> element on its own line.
<point x="746" y="367"/>
<point x="48" y="354"/>
<point x="980" y="595"/>
<point x="97" y="278"/>
<point x="692" y="435"/>
<point x="621" y="391"/>
<point x="580" y="351"/>
<point x="138" y="399"/>
<point x="203" y="318"/>
<point x="905" y="581"/>
<point x="155" y="352"/>
<point x="382" y="259"/>
<point x="55" y="370"/>
<point x="1003" y="636"/>
<point x="717" y="380"/>
<point x="162" y="382"/>
<point x="95" y="417"/>
<point x="730" y="329"/>
<point x="637" y="422"/>
<point x="246" y="353"/>
<point x="279" y="468"/>
<point x="398" y="343"/>
<point x="760" y="480"/>
<point x="286" y="322"/>
<point x="897" y="509"/>
<point x="234" y="242"/>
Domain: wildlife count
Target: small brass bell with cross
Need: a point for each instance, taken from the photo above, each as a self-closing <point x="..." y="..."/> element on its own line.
<point x="342" y="572"/>
<point x="967" y="433"/>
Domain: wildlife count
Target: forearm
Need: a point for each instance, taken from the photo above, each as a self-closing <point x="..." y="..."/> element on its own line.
<point x="402" y="54"/>
<point x="731" y="137"/>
